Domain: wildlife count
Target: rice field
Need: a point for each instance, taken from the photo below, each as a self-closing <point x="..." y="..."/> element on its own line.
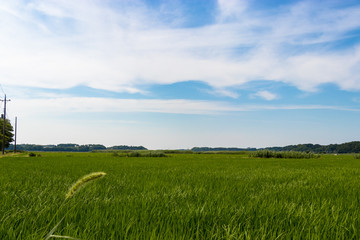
<point x="182" y="196"/>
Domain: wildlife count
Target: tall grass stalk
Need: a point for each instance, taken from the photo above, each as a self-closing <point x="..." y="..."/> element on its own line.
<point x="73" y="189"/>
<point x="82" y="181"/>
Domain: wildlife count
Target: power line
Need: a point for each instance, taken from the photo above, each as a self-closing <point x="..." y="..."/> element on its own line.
<point x="2" y="89"/>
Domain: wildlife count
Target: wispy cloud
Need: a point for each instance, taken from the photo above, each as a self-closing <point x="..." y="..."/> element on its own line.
<point x="224" y="92"/>
<point x="265" y="95"/>
<point x="231" y="9"/>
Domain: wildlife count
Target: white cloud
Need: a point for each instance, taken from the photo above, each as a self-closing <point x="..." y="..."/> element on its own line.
<point x="310" y="70"/>
<point x="231" y="9"/>
<point x="61" y="44"/>
<point x="265" y="95"/>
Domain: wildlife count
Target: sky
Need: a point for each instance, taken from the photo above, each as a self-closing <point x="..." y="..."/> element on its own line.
<point x="177" y="74"/>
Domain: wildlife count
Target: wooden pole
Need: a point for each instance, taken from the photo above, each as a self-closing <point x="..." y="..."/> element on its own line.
<point x="15" y="134"/>
<point x="4" y="117"/>
<point x="4" y="123"/>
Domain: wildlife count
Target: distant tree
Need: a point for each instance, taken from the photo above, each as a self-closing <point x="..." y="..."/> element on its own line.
<point x="8" y="132"/>
<point x="125" y="147"/>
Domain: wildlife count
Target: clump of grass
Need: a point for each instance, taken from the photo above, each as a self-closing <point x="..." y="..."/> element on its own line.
<point x="115" y="154"/>
<point x="34" y="155"/>
<point x="284" y="154"/>
<point x="178" y="152"/>
<point x="357" y="156"/>
<point x="134" y="154"/>
<point x="146" y="154"/>
<point x="155" y="154"/>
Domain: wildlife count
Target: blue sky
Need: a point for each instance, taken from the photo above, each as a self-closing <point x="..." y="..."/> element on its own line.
<point x="180" y="74"/>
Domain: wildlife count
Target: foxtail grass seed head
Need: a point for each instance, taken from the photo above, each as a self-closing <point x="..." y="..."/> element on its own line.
<point x="82" y="181"/>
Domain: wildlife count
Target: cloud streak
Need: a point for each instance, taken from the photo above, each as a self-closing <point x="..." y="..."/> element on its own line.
<point x="60" y="106"/>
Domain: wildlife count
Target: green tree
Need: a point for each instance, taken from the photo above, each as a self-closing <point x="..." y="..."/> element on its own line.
<point x="8" y="132"/>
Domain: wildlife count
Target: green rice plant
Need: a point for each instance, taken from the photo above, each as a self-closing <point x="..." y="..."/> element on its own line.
<point x="72" y="190"/>
<point x="115" y="154"/>
<point x="187" y="196"/>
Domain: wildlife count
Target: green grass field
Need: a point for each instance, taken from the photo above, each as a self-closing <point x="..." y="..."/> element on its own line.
<point x="183" y="196"/>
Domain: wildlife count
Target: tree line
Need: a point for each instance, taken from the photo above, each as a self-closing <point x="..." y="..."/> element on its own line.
<point x="349" y="147"/>
<point x="218" y="149"/>
<point x="70" y="147"/>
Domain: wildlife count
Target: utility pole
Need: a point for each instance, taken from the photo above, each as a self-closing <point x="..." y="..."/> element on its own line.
<point x="4" y="118"/>
<point x="15" y="134"/>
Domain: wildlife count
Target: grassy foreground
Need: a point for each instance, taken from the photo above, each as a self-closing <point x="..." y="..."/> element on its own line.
<point x="183" y="196"/>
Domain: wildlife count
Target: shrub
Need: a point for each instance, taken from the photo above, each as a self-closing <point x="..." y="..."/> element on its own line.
<point x="134" y="154"/>
<point x="146" y="154"/>
<point x="285" y="154"/>
<point x="32" y="154"/>
<point x="178" y="151"/>
<point x="155" y="154"/>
